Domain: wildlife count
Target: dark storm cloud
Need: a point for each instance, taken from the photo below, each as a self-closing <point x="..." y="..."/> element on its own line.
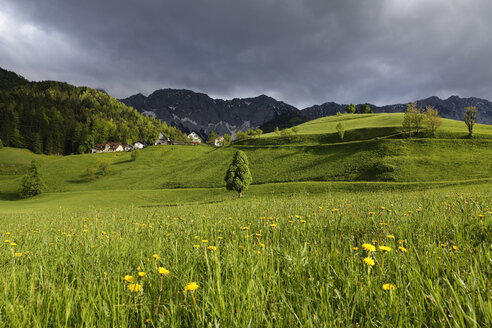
<point x="302" y="52"/>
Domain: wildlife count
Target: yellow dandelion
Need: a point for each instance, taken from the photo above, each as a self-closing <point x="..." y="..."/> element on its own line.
<point x="371" y="213"/>
<point x="244" y="228"/>
<point x="259" y="235"/>
<point x="369" y="247"/>
<point x="129" y="278"/>
<point x="135" y="287"/>
<point x="390" y="236"/>
<point x="273" y="225"/>
<point x="205" y="241"/>
<point x="355" y="248"/>
<point x="385" y="248"/>
<point x="191" y="286"/>
<point x="18" y="254"/>
<point x="13" y="244"/>
<point x="156" y="257"/>
<point x="212" y="248"/>
<point x="389" y="287"/>
<point x="369" y="261"/>
<point x="261" y="245"/>
<point x="220" y="238"/>
<point x="148" y="320"/>
<point x="403" y="249"/>
<point x="196" y="246"/>
<point x="455" y="248"/>
<point x="142" y="274"/>
<point x="163" y="271"/>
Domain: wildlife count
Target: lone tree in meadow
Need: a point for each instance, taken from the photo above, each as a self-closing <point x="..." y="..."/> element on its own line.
<point x="238" y="176"/>
<point x="365" y="109"/>
<point x="32" y="184"/>
<point x="341" y="130"/>
<point x="469" y="118"/>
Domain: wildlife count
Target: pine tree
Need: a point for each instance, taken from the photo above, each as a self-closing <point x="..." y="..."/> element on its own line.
<point x="32" y="184"/>
<point x="238" y="176"/>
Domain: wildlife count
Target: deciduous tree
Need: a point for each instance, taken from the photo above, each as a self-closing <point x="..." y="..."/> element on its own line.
<point x="433" y="120"/>
<point x="341" y="130"/>
<point x="351" y="109"/>
<point x="469" y="118"/>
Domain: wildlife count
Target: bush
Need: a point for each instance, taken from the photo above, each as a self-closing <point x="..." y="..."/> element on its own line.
<point x="103" y="168"/>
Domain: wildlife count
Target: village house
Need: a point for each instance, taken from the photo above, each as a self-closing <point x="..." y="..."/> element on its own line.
<point x="219" y="142"/>
<point x="194" y="138"/>
<point x="138" y="145"/>
<point x="128" y="147"/>
<point x="108" y="147"/>
<point x="163" y="140"/>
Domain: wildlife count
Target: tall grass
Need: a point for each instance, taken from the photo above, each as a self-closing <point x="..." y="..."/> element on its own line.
<point x="279" y="261"/>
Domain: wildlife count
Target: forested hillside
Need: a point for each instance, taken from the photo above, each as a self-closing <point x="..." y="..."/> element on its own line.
<point x="53" y="117"/>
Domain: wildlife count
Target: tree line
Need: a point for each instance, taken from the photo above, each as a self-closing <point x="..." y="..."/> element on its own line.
<point x="58" y="118"/>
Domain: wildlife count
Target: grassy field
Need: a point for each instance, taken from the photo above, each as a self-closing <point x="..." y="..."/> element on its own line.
<point x="288" y="260"/>
<point x="289" y="254"/>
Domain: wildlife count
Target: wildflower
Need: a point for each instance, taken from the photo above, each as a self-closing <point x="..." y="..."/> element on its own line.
<point x="18" y="254"/>
<point x="135" y="287"/>
<point x="369" y="247"/>
<point x="244" y="228"/>
<point x="303" y="221"/>
<point x="261" y="245"/>
<point x="371" y="213"/>
<point x="259" y="235"/>
<point x="390" y="236"/>
<point x="220" y="238"/>
<point x="369" y="261"/>
<point x="103" y="233"/>
<point x="481" y="216"/>
<point x="148" y="320"/>
<point x="389" y="287"/>
<point x="191" y="286"/>
<point x="142" y="274"/>
<point x="163" y="271"/>
<point x="156" y="257"/>
<point x="129" y="278"/>
<point x="205" y="241"/>
<point x="273" y="225"/>
<point x="196" y="246"/>
<point x="403" y="249"/>
<point x="105" y="273"/>
<point x="212" y="248"/>
<point x="385" y="248"/>
<point x="355" y="248"/>
<point x="169" y="234"/>
<point x="13" y="244"/>
<point x="455" y="248"/>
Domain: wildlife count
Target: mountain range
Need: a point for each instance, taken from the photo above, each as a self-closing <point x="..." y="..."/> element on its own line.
<point x="192" y="111"/>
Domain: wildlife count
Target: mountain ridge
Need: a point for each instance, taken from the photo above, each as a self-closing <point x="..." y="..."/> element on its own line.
<point x="195" y="111"/>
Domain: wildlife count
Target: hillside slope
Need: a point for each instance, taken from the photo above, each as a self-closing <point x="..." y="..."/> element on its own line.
<point x="54" y="117"/>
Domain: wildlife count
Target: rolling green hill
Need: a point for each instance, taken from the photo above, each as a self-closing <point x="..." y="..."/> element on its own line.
<point x="368" y="160"/>
<point x="364" y="127"/>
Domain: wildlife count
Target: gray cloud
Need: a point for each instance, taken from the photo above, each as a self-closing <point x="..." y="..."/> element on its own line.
<point x="300" y="51"/>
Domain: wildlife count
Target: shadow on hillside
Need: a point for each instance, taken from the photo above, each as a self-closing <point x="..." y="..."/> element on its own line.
<point x="9" y="196"/>
<point x="123" y="162"/>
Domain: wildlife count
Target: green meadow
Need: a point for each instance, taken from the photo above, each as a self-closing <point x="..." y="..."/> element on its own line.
<point x="376" y="231"/>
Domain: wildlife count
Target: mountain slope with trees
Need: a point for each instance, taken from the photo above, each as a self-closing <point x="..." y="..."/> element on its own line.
<point x="57" y="118"/>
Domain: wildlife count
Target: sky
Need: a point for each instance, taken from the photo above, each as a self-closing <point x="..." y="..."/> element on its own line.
<point x="303" y="52"/>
